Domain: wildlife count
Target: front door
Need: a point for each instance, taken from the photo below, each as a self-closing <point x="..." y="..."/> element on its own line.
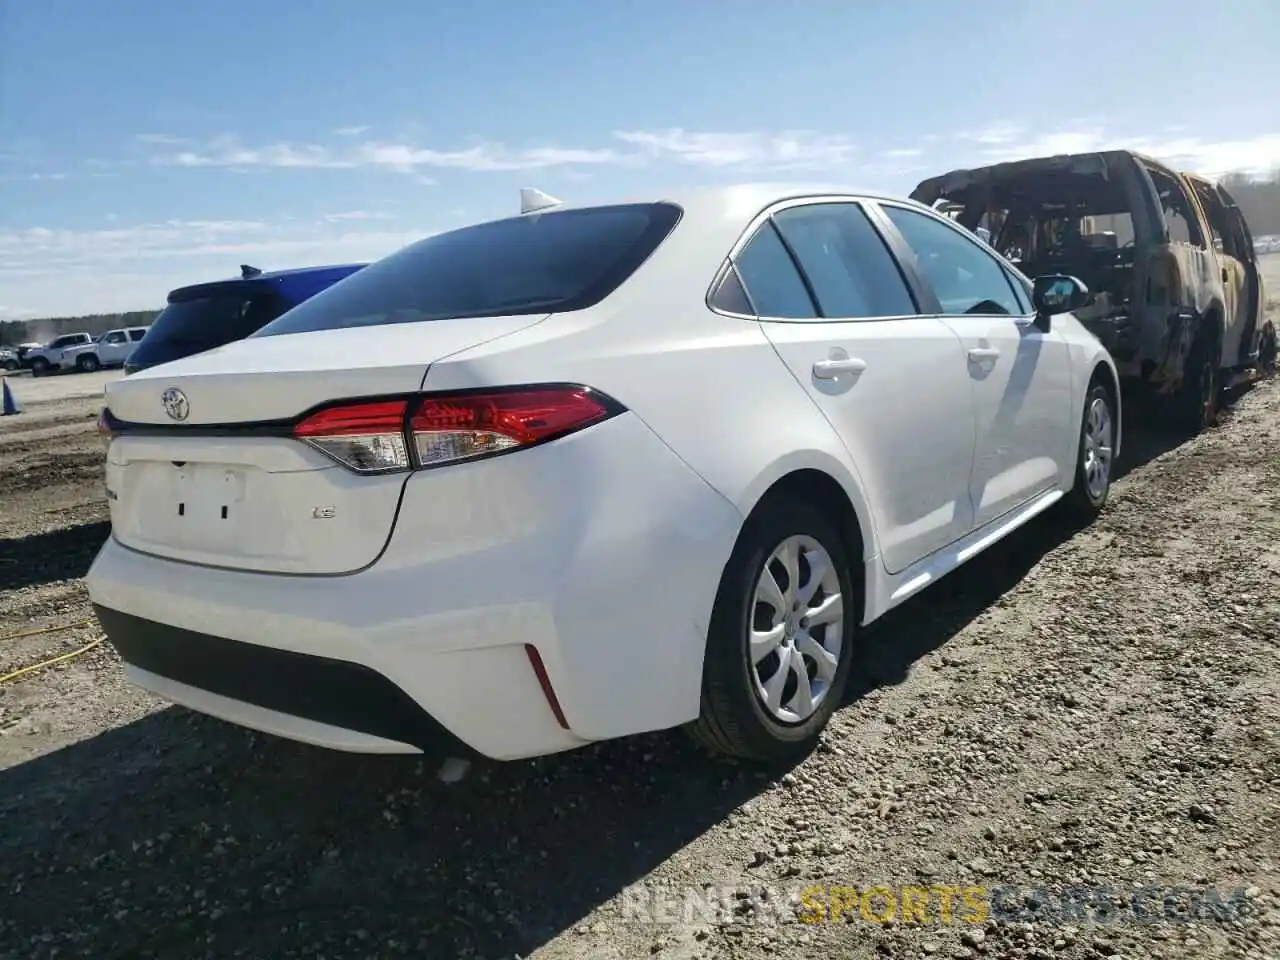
<point x="1020" y="376"/>
<point x="892" y="383"/>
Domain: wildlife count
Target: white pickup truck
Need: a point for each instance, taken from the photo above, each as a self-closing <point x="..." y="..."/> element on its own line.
<point x="79" y="351"/>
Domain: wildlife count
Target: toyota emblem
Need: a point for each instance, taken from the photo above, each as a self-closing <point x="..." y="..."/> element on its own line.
<point x="175" y="404"/>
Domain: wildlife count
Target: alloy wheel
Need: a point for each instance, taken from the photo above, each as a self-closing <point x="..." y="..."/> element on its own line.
<point x="796" y="629"/>
<point x="1099" y="440"/>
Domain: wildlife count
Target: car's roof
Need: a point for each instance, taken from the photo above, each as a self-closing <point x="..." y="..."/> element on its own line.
<point x="266" y="276"/>
<point x="719" y="200"/>
<point x="299" y="271"/>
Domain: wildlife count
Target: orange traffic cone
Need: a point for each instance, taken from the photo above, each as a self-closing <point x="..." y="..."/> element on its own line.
<point x="10" y="404"/>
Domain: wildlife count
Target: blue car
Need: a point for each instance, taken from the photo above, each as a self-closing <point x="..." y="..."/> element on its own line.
<point x="208" y="315"/>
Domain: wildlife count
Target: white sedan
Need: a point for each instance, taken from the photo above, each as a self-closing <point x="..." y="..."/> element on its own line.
<point x="592" y="471"/>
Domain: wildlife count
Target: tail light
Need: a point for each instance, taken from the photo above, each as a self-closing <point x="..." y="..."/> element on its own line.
<point x="367" y="437"/>
<point x="105" y="433"/>
<point x="433" y="430"/>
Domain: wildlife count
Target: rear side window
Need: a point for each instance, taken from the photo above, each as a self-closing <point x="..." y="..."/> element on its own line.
<point x="203" y="323"/>
<point x="549" y="262"/>
<point x="772" y="281"/>
<point x="847" y="263"/>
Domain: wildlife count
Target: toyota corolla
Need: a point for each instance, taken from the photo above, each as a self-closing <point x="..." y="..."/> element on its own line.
<point x="592" y="471"/>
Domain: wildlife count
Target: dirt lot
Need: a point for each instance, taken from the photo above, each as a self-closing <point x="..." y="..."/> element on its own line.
<point x="1086" y="711"/>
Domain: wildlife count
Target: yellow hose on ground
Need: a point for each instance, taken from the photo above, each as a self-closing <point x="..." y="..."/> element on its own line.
<point x="52" y="660"/>
<point x="36" y="633"/>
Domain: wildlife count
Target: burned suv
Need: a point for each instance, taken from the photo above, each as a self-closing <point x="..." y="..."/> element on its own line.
<point x="1177" y="297"/>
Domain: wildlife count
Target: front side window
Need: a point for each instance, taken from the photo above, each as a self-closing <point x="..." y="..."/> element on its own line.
<point x="964" y="277"/>
<point x="70" y="341"/>
<point x="772" y="281"/>
<point x="845" y="260"/>
<point x="549" y="262"/>
<point x="115" y="337"/>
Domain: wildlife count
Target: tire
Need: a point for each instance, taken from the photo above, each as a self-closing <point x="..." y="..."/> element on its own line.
<point x="10" y="365"/>
<point x="735" y="720"/>
<point x="1095" y="459"/>
<point x="39" y="367"/>
<point x="87" y="363"/>
<point x="1267" y="352"/>
<point x="1196" y="402"/>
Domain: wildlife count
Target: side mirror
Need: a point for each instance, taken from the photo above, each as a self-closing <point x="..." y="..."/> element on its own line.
<point x="1056" y="293"/>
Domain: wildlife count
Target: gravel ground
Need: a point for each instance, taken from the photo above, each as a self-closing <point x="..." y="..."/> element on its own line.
<point x="1083" y="711"/>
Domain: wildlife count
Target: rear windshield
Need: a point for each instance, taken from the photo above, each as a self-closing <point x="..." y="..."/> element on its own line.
<point x="538" y="263"/>
<point x="207" y="322"/>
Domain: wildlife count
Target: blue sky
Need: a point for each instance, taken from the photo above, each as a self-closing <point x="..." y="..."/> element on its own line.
<point x="146" y="145"/>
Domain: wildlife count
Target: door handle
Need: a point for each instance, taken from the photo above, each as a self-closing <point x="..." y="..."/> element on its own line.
<point x="830" y="369"/>
<point x="978" y="354"/>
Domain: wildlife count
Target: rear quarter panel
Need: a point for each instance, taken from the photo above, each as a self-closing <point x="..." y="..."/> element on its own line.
<point x="711" y="386"/>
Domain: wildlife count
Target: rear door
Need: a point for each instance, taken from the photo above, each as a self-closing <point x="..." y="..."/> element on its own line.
<point x="1238" y="242"/>
<point x="891" y="382"/>
<point x="1020" y="376"/>
<point x="1236" y="283"/>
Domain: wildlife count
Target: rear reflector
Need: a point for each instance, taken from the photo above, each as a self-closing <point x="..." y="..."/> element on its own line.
<point x="105" y="433"/>
<point x="381" y="436"/>
<point x="544" y="681"/>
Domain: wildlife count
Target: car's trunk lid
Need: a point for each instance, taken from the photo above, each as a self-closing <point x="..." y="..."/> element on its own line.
<point x="214" y="477"/>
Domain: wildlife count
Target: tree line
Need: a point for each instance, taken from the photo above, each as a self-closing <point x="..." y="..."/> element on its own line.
<point x="1259" y="201"/>
<point x="1258" y="198"/>
<point x="14" y="332"/>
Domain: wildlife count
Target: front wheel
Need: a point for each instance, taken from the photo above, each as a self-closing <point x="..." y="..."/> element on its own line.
<point x="781" y="638"/>
<point x="1096" y="455"/>
<point x="39" y="367"/>
<point x="10" y="365"/>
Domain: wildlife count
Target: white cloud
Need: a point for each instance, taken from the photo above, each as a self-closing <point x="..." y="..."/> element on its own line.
<point x="1257" y="155"/>
<point x="405" y="158"/>
<point x="160" y="139"/>
<point x="358" y="215"/>
<point x="788" y="150"/>
<point x="58" y="272"/>
<point x="792" y="150"/>
<point x="48" y="270"/>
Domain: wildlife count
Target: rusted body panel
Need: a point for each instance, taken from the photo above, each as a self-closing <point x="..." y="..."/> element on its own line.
<point x="1137" y="233"/>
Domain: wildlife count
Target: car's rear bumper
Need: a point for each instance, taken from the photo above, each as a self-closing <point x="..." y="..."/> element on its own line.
<point x="342" y="705"/>
<point x="604" y="556"/>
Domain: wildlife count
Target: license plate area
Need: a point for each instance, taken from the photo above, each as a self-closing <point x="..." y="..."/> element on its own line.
<point x="206" y="504"/>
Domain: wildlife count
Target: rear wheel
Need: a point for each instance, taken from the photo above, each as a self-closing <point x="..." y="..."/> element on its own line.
<point x="1096" y="455"/>
<point x="1196" y="402"/>
<point x="1267" y="351"/>
<point x="781" y="639"/>
<point x="87" y="363"/>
